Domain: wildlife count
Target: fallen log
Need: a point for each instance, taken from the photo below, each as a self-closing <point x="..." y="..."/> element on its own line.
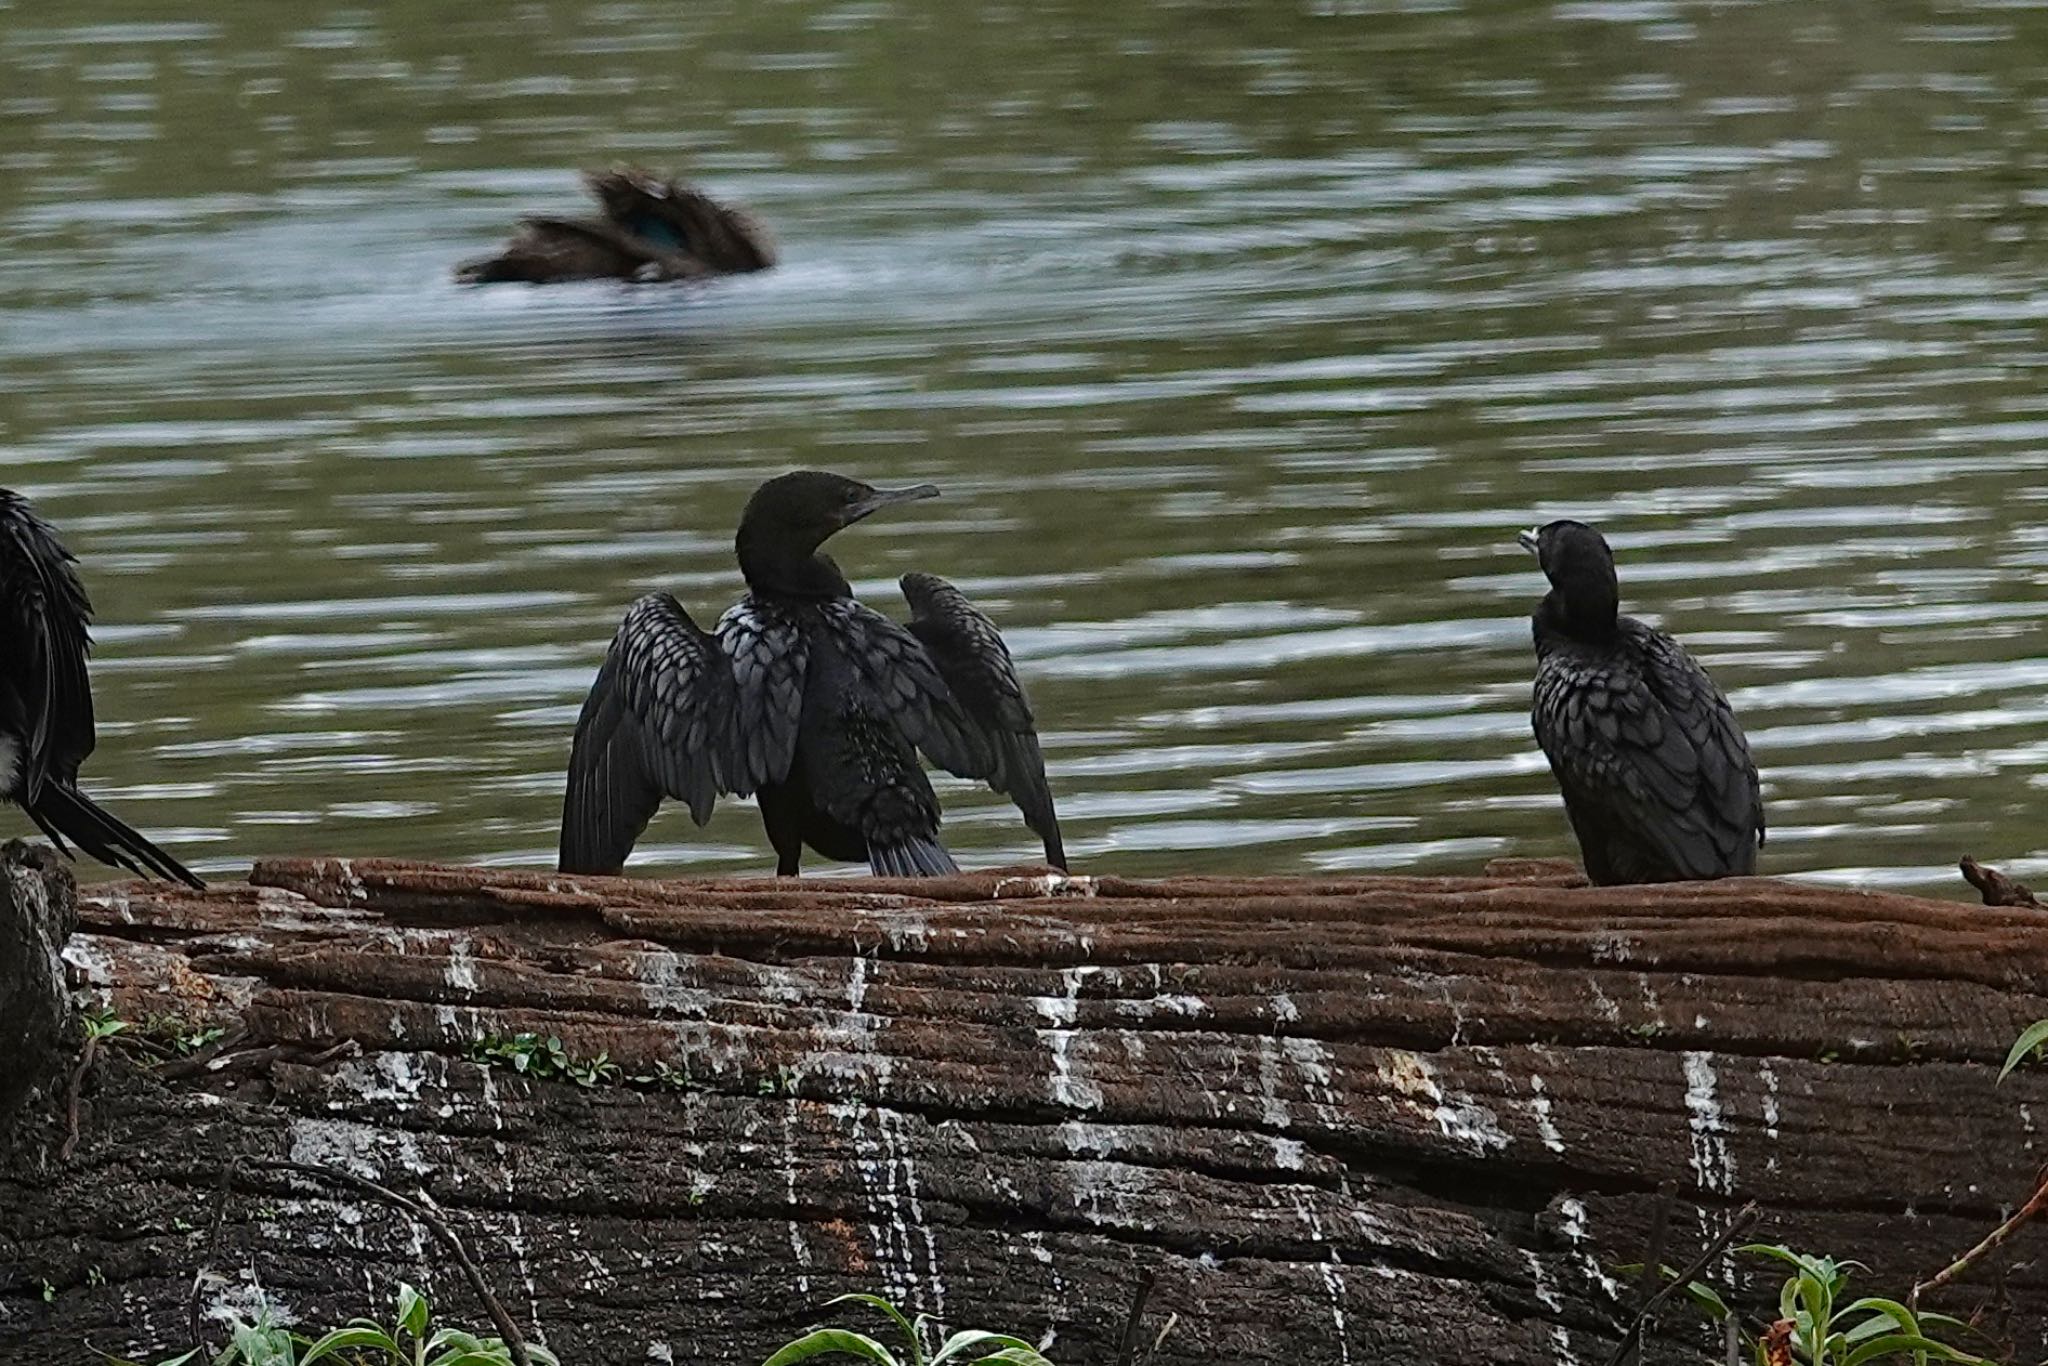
<point x="1373" y="1119"/>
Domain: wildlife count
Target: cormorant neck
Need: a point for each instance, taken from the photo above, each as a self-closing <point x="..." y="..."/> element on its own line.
<point x="1591" y="613"/>
<point x="773" y="567"/>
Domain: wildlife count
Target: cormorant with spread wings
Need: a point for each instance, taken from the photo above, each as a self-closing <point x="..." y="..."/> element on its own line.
<point x="806" y="699"/>
<point x="1657" y="775"/>
<point x="46" y="722"/>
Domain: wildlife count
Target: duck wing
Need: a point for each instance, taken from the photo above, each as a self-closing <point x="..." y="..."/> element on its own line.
<point x="970" y="656"/>
<point x="682" y="219"/>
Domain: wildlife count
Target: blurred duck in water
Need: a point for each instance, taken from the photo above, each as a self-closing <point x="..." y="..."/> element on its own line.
<point x="652" y="230"/>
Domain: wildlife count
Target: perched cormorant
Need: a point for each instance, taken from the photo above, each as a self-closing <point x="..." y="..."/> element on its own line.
<point x="1657" y="777"/>
<point x="811" y="701"/>
<point x="652" y="230"/>
<point x="46" y="726"/>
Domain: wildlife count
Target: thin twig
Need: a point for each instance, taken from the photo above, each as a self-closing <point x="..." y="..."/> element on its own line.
<point x="1127" y="1348"/>
<point x="200" y="1277"/>
<point x="1744" y="1217"/>
<point x="86" y="1057"/>
<point x="434" y="1224"/>
<point x="1172" y="1322"/>
<point x="1653" y="1258"/>
<point x="1992" y="1241"/>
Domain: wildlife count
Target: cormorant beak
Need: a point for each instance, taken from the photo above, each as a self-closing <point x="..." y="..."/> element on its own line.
<point x="1527" y="540"/>
<point x="881" y="498"/>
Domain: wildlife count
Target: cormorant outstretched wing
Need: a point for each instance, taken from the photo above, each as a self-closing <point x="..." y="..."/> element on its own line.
<point x="658" y="723"/>
<point x="45" y="699"/>
<point x="975" y="663"/>
<point x="1647" y="739"/>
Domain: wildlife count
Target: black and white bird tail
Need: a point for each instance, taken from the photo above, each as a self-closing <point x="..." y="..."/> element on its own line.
<point x="918" y="856"/>
<point x="64" y="813"/>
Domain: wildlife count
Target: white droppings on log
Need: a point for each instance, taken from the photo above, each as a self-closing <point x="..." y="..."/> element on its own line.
<point x="461" y="974"/>
<point x="1284" y="1009"/>
<point x="516" y="1243"/>
<point x="798" y="1248"/>
<point x="1612" y="948"/>
<point x="363" y="1149"/>
<point x="1577" y="1234"/>
<point x="1312" y="1063"/>
<point x="388" y="1076"/>
<point x="1066" y="1088"/>
<point x="1333" y="1281"/>
<point x="91" y="965"/>
<point x="1091" y="1184"/>
<point x="1769" y="1078"/>
<point x="1713" y="1167"/>
<point x="901" y="1160"/>
<point x="1273" y="1111"/>
<point x="888" y="1231"/>
<point x="245" y="1299"/>
<point x="1539" y="1108"/>
<point x="1087" y="1140"/>
<point x="1072" y="1091"/>
<point x="1457" y="1116"/>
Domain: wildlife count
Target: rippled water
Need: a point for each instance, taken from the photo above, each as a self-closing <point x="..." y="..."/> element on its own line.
<point x="1241" y="339"/>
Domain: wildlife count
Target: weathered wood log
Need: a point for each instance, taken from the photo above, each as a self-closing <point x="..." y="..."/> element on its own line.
<point x="37" y="915"/>
<point x="1372" y="1120"/>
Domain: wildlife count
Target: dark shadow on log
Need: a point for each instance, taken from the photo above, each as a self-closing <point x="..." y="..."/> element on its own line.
<point x="1364" y="1119"/>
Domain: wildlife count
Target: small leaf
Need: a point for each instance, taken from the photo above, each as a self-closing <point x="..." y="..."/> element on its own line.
<point x="876" y="1301"/>
<point x="825" y="1340"/>
<point x="352" y="1339"/>
<point x="1709" y="1301"/>
<point x="2031" y="1038"/>
<point x="1878" y="1348"/>
<point x="961" y="1343"/>
<point x="412" y="1312"/>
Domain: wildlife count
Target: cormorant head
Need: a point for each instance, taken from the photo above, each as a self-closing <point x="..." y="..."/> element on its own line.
<point x="1580" y="567"/>
<point x="791" y="515"/>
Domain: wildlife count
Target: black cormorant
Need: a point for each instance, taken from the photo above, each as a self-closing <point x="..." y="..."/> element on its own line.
<point x="46" y="725"/>
<point x="1657" y="777"/>
<point x="809" y="700"/>
<point x="652" y="230"/>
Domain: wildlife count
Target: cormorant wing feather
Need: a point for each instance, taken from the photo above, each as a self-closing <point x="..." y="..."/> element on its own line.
<point x="1728" y="775"/>
<point x="1615" y="750"/>
<point x="900" y="676"/>
<point x="770" y="658"/>
<point x="44" y="613"/>
<point x="971" y="657"/>
<point x="657" y="723"/>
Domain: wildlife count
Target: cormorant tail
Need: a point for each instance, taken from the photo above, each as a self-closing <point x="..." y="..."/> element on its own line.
<point x="64" y="812"/>
<point x="918" y="856"/>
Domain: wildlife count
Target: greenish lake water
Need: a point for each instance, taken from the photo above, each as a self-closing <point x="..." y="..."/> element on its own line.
<point x="1241" y="338"/>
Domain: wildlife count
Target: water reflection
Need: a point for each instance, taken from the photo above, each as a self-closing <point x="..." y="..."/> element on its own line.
<point x="1241" y="340"/>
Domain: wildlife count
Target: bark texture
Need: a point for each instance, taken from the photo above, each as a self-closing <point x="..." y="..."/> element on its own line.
<point x="37" y="915"/>
<point x="1374" y="1120"/>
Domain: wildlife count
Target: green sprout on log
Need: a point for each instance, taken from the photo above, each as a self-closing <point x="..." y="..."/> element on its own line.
<point x="970" y="1348"/>
<point x="410" y="1340"/>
